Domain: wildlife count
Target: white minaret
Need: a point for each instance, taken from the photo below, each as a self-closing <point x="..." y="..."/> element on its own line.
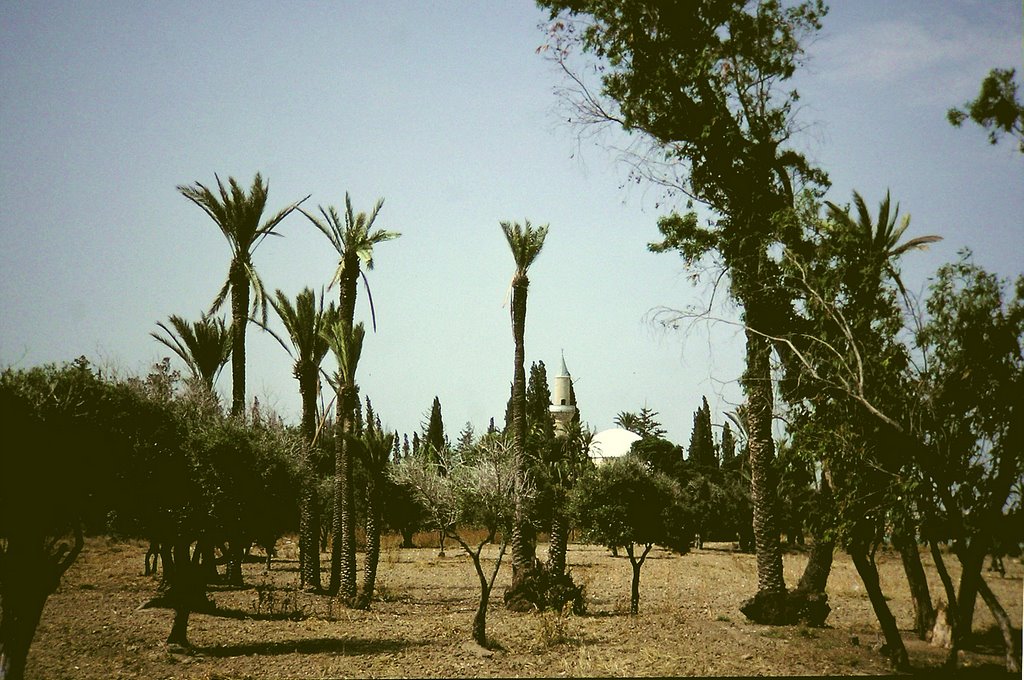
<point x="563" y="408"/>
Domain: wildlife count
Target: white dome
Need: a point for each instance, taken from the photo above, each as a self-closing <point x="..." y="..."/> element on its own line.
<point x="613" y="443"/>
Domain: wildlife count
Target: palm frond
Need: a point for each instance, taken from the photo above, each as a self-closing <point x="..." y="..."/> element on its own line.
<point x="525" y="242"/>
<point x="347" y="345"/>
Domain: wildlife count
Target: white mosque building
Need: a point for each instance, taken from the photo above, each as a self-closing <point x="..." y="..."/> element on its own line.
<point x="607" y="444"/>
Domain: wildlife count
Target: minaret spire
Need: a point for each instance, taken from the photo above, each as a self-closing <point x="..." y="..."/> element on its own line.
<point x="563" y="407"/>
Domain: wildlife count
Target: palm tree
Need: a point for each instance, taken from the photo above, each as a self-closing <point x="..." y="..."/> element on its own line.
<point x="304" y="321"/>
<point x="347" y="344"/>
<point x="525" y="242"/>
<point x="237" y="215"/>
<point x="879" y="241"/>
<point x="204" y="345"/>
<point x="375" y="449"/>
<point x="353" y="238"/>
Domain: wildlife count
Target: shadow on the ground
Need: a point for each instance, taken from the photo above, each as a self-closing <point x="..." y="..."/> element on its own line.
<point x="347" y="647"/>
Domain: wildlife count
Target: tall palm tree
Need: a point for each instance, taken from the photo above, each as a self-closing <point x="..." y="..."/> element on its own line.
<point x="304" y="322"/>
<point x="354" y="238"/>
<point x="204" y="345"/>
<point x="525" y="242"/>
<point x="375" y="449"/>
<point x="346" y="342"/>
<point x="237" y="214"/>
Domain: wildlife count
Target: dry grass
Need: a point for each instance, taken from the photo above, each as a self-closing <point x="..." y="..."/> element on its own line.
<point x="689" y="622"/>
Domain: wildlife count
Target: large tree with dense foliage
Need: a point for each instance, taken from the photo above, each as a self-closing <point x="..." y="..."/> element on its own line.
<point x="701" y="85"/>
<point x="238" y="215"/>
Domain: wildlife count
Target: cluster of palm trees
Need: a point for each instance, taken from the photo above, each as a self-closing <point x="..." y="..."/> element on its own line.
<point x="313" y="328"/>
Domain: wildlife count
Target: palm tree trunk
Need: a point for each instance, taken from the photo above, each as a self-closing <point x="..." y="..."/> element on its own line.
<point x="523" y="551"/>
<point x="239" y="319"/>
<point x="558" y="541"/>
<point x="343" y="549"/>
<point x="372" y="543"/>
<point x="758" y="384"/>
<point x="309" y="510"/>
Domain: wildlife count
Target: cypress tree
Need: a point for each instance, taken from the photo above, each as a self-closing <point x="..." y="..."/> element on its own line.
<point x="728" y="445"/>
<point x="538" y="402"/>
<point x="702" y="446"/>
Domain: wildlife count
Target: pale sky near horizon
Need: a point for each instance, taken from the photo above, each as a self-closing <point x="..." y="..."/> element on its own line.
<point x="445" y="110"/>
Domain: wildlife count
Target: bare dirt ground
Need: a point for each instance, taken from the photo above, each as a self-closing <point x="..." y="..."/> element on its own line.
<point x="689" y="622"/>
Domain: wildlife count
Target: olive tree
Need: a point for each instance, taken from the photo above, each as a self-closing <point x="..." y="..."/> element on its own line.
<point x="624" y="503"/>
<point x="476" y="493"/>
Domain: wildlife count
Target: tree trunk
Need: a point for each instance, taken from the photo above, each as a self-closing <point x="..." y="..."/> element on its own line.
<point x="185" y="590"/>
<point x="557" y="545"/>
<point x="924" y="612"/>
<point x="480" y="619"/>
<point x="343" y="554"/>
<point x="894" y="648"/>
<point x="28" y="575"/>
<point x="972" y="559"/>
<point x="1010" y="638"/>
<point x="523" y="550"/>
<point x="769" y="605"/>
<point x="239" y="283"/>
<point x="952" y="608"/>
<point x="634" y="588"/>
<point x="819" y="566"/>
<point x="309" y="508"/>
<point x="372" y="544"/>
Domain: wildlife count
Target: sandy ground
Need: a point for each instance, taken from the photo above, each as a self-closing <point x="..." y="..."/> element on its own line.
<point x="689" y="622"/>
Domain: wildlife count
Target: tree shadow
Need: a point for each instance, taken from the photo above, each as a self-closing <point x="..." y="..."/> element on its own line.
<point x="346" y="647"/>
<point x="248" y="615"/>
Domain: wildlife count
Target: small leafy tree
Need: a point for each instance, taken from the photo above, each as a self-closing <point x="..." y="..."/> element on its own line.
<point x="625" y="504"/>
<point x="477" y="495"/>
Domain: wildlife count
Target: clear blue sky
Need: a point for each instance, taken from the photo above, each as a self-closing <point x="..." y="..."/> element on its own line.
<point x="446" y="111"/>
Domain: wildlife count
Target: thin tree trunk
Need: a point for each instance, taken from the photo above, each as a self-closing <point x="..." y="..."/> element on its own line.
<point x="480" y="618"/>
<point x="894" y="648"/>
<point x="634" y="587"/>
<point x="239" y="318"/>
<point x="924" y="612"/>
<point x="1010" y="638"/>
<point x="309" y="511"/>
<point x="348" y="529"/>
<point x="952" y="607"/>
